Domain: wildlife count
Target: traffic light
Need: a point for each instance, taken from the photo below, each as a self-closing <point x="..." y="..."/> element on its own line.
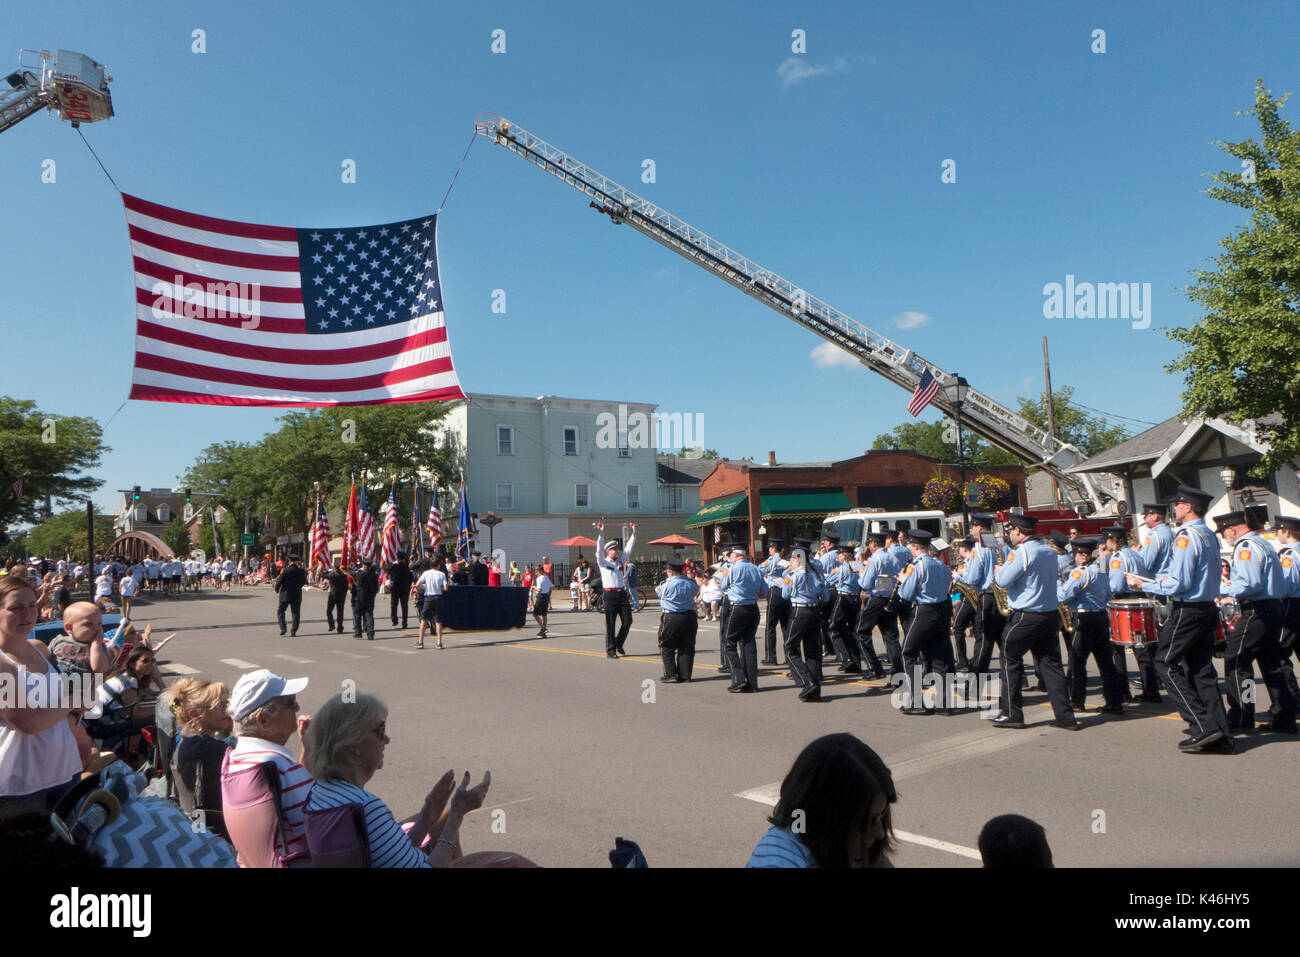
<point x="187" y="495"/>
<point x="135" y="493"/>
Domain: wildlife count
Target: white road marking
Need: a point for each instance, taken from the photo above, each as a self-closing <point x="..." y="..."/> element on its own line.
<point x="175" y="668"/>
<point x="397" y="651"/>
<point x="346" y="654"/>
<point x="296" y="660"/>
<point x="240" y="663"/>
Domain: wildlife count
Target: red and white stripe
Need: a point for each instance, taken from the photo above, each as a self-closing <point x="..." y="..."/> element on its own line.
<point x="392" y="542"/>
<point x="365" y="534"/>
<point x="217" y="361"/>
<point x="434" y="525"/>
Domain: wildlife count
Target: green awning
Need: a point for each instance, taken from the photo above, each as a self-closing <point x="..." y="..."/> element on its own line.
<point x="801" y="504"/>
<point x="721" y="510"/>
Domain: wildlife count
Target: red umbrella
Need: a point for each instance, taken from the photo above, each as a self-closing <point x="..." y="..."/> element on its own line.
<point x="677" y="541"/>
<point x="576" y="542"/>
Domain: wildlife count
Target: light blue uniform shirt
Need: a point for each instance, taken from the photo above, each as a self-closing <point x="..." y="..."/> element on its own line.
<point x="882" y="562"/>
<point x="773" y="569"/>
<point x="1030" y="577"/>
<point x="902" y="553"/>
<point x="979" y="568"/>
<point x="843" y="579"/>
<point x="926" y="581"/>
<point x="1126" y="561"/>
<point x="1194" y="569"/>
<point x="745" y="584"/>
<point x="1064" y="561"/>
<point x="1156" y="553"/>
<point x="677" y="593"/>
<point x="1256" y="573"/>
<point x="828" y="560"/>
<point x="804" y="587"/>
<point x="1085" y="589"/>
<point x="1289" y="559"/>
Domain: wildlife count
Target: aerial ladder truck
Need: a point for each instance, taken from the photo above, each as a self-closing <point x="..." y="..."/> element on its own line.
<point x="71" y="84"/>
<point x="980" y="413"/>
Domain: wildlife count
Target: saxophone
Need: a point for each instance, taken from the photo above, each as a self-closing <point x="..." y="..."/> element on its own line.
<point x="1000" y="598"/>
<point x="1065" y="611"/>
<point x="967" y="592"/>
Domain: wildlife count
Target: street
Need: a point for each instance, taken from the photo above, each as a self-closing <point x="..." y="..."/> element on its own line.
<point x="583" y="749"/>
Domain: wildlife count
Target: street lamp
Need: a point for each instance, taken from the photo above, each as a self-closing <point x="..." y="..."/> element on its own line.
<point x="1229" y="475"/>
<point x="955" y="392"/>
<point x="491" y="520"/>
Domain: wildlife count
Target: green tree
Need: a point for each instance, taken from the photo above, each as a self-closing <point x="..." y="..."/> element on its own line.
<point x="1240" y="359"/>
<point x="1088" y="433"/>
<point x="177" y="536"/>
<point x="927" y="438"/>
<point x="49" y="453"/>
<point x="64" y="535"/>
<point x="698" y="453"/>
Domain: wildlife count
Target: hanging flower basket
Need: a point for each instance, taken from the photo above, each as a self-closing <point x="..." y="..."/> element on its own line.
<point x="991" y="492"/>
<point x="942" y="494"/>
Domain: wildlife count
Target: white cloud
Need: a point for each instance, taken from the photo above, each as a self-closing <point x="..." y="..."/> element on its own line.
<point x="1026" y="382"/>
<point x="797" y="69"/>
<point x="828" y="354"/>
<point x="910" y="320"/>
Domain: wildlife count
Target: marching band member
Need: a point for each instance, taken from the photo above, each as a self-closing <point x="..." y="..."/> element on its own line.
<point x="1288" y="535"/>
<point x="1030" y="577"/>
<point x="804" y="586"/>
<point x="1258" y="586"/>
<point x="979" y="573"/>
<point x="745" y="586"/>
<point x="613" y="565"/>
<point x="827" y="558"/>
<point x="1122" y="561"/>
<point x="1184" y="658"/>
<point x="677" y="622"/>
<point x="843" y="582"/>
<point x="927" y="582"/>
<point x="881" y="564"/>
<point x="778" y="609"/>
<point x="1086" y="590"/>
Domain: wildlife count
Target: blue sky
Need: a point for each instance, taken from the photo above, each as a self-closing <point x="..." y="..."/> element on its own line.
<point x="824" y="167"/>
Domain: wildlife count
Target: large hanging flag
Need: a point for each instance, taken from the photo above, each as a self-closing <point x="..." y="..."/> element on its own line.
<point x="464" y="535"/>
<point x="392" y="540"/>
<point x="417" y="535"/>
<point x="434" y="525"/>
<point x="350" y="530"/>
<point x="231" y="313"/>
<point x="924" y="394"/>
<point x="320" y="540"/>
<point x="365" y="524"/>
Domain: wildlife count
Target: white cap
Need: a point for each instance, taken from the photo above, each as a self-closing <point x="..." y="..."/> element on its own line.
<point x="256" y="688"/>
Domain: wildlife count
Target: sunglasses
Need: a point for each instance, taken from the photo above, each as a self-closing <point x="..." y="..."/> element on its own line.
<point x="382" y="730"/>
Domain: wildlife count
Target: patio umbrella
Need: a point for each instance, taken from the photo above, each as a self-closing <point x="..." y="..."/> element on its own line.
<point x="576" y="542"/>
<point x="676" y="541"/>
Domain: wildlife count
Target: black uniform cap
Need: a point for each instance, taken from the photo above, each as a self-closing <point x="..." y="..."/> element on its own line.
<point x="1115" y="531"/>
<point x="920" y="536"/>
<point x="1085" y="545"/>
<point x="677" y="563"/>
<point x="1292" y="525"/>
<point x="967" y="542"/>
<point x="1060" y="538"/>
<point x="831" y="537"/>
<point x="847" y="549"/>
<point x="1161" y="510"/>
<point x="983" y="519"/>
<point x="1026" y="523"/>
<point x="1193" y="496"/>
<point x="877" y="538"/>
<point x="1228" y="519"/>
<point x="295" y="557"/>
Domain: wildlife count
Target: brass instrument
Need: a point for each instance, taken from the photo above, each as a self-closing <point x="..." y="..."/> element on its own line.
<point x="967" y="592"/>
<point x="1065" y="611"/>
<point x="1000" y="598"/>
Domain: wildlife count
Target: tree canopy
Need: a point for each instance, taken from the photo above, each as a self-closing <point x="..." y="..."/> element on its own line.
<point x="64" y="535"/>
<point x="1241" y="358"/>
<point x="49" y="454"/>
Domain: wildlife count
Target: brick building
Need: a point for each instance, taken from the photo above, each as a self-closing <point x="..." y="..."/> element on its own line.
<point x="756" y="504"/>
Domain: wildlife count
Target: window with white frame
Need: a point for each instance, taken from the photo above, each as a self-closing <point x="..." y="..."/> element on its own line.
<point x="675" y="495"/>
<point x="505" y="440"/>
<point x="570" y="440"/>
<point x="164" y="513"/>
<point x="623" y="450"/>
<point x="634" y="496"/>
<point x="581" y="494"/>
<point x="505" y="495"/>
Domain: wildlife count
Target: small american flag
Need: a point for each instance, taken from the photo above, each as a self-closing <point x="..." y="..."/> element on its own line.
<point x="925" y="392"/>
<point x="434" y="525"/>
<point x="392" y="543"/>
<point x="232" y="313"/>
<point x="320" y="540"/>
<point x="717" y="534"/>
<point x="365" y="526"/>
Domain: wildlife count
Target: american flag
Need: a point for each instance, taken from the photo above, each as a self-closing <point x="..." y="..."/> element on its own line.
<point x="717" y="534"/>
<point x="392" y="543"/>
<point x="320" y="540"/>
<point x="350" y="529"/>
<point x="231" y="313"/>
<point x="434" y="525"/>
<point x="925" y="392"/>
<point x="365" y="526"/>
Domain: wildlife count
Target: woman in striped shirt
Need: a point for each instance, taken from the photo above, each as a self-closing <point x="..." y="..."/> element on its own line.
<point x="345" y="747"/>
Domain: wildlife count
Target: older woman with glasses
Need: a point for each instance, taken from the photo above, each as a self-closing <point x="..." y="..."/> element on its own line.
<point x="345" y="743"/>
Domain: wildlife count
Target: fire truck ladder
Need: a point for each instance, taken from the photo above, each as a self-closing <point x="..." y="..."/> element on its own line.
<point x="981" y="414"/>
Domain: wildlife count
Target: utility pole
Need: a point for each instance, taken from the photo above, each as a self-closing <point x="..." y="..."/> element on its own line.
<point x="1050" y="412"/>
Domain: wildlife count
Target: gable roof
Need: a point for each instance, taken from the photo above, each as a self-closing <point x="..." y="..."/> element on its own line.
<point x="679" y="470"/>
<point x="1144" y="447"/>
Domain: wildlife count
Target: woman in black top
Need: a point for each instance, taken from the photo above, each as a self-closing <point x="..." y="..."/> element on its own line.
<point x="200" y="708"/>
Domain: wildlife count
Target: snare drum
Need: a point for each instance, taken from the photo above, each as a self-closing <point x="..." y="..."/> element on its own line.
<point x="1133" y="622"/>
<point x="1229" y="612"/>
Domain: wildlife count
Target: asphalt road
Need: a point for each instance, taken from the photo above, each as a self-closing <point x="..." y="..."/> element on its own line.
<point x="583" y="749"/>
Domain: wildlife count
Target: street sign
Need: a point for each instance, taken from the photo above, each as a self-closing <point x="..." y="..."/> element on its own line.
<point x="246" y="539"/>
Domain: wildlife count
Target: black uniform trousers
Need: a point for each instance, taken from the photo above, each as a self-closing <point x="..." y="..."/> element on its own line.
<point x="964" y="617"/>
<point x="876" y="614"/>
<point x="335" y="601"/>
<point x="1185" y="662"/>
<point x="289" y="603"/>
<point x="778" y="613"/>
<point x="843" y="634"/>
<point x="1289" y="645"/>
<point x="1031" y="632"/>
<point x="363" y="616"/>
<point x="741" y="646"/>
<point x="827" y="613"/>
<point x="1257" y="636"/>
<point x="989" y="632"/>
<point x="1092" y="638"/>
<point x="403" y="599"/>
<point x="926" y="649"/>
<point x="616" y="609"/>
<point x="677" y="630"/>
<point x="724" y="615"/>
<point x="803" y="645"/>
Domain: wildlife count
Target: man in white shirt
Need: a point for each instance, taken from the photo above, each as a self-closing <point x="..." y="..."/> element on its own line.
<point x="542" y="604"/>
<point x="612" y="561"/>
<point x="429" y="589"/>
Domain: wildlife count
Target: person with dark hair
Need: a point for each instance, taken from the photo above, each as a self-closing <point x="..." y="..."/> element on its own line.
<point x="400" y="581"/>
<point x="1013" y="841"/>
<point x="337" y="580"/>
<point x="289" y="586"/>
<point x="834" y="809"/>
<point x="365" y="586"/>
